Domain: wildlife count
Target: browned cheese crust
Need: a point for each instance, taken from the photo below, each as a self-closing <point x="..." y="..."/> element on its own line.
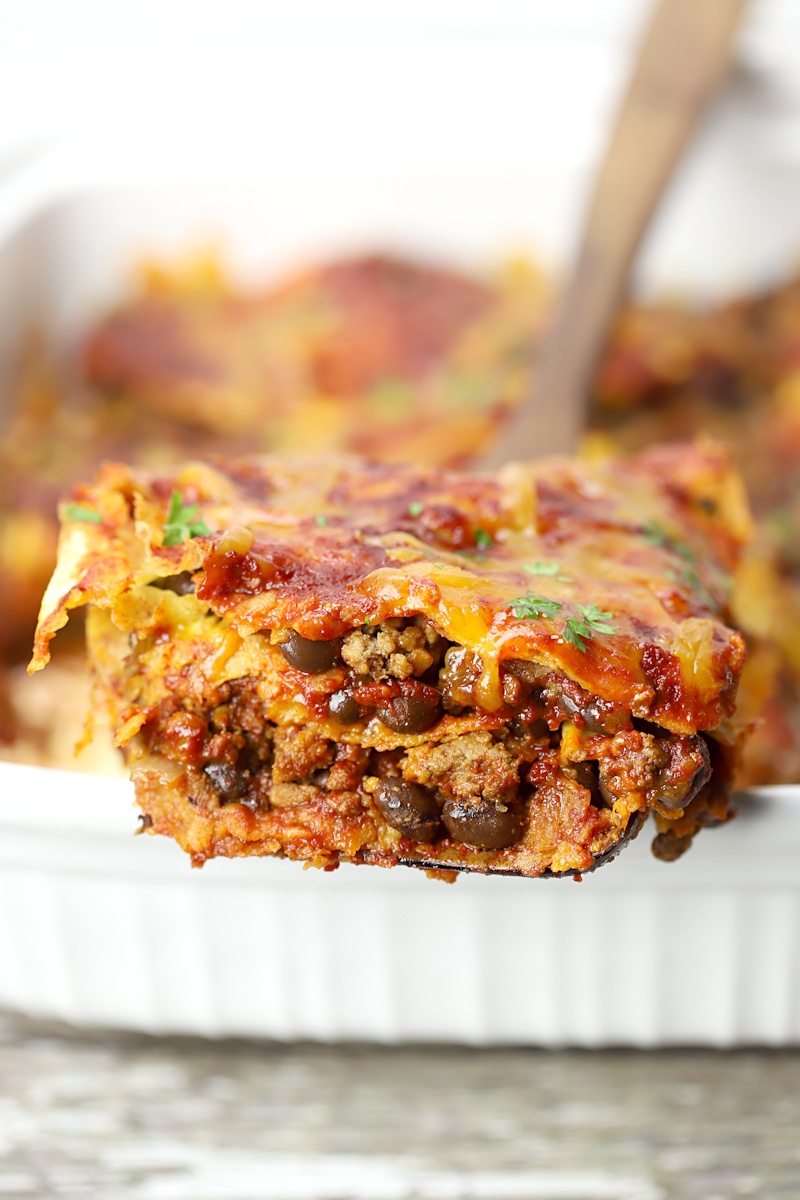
<point x="350" y="661"/>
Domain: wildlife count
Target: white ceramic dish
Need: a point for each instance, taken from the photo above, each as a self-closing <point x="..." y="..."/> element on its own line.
<point x="100" y="928"/>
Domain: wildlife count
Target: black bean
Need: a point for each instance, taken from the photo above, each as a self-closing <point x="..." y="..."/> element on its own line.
<point x="386" y="764"/>
<point x="588" y="777"/>
<point x="230" y="782"/>
<point x="410" y="808"/>
<point x="482" y="824"/>
<point x="411" y="713"/>
<point x="690" y="770"/>
<point x="310" y="656"/>
<point x="343" y="708"/>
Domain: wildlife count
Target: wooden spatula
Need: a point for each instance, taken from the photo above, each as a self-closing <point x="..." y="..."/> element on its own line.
<point x="684" y="57"/>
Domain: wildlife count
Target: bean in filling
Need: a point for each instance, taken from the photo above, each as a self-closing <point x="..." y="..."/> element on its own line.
<point x="412" y="711"/>
<point x="482" y="824"/>
<point x="473" y="788"/>
<point x="410" y="808"/>
<point x="310" y="656"/>
<point x="343" y="708"/>
<point x="229" y="781"/>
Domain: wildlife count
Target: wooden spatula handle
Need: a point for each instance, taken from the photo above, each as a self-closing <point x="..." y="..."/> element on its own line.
<point x="684" y="56"/>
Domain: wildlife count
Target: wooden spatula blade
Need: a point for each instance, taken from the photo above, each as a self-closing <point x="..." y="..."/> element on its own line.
<point x="682" y="60"/>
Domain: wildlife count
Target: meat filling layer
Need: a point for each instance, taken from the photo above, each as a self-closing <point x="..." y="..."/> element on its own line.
<point x="484" y="788"/>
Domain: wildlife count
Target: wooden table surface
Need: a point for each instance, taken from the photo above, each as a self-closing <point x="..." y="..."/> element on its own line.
<point x="122" y="1117"/>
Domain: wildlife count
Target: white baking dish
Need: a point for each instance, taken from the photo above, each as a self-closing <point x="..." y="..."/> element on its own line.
<point x="100" y="928"/>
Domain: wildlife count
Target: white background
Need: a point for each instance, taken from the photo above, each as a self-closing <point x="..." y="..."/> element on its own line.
<point x="451" y="81"/>
<point x="490" y="86"/>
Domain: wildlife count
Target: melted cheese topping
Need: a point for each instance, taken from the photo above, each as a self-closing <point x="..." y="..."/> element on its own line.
<point x="324" y="547"/>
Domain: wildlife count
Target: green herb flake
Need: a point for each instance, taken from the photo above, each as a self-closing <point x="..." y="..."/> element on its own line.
<point x="552" y="569"/>
<point x="599" y="620"/>
<point x="580" y="630"/>
<point x="80" y="512"/>
<point x="656" y="535"/>
<point x="415" y="508"/>
<point x="321" y="520"/>
<point x="534" y="606"/>
<point x="577" y="633"/>
<point x="689" y="577"/>
<point x="483" y="539"/>
<point x="182" y="522"/>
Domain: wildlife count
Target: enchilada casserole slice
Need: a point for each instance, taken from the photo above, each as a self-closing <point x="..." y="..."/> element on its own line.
<point x="339" y="660"/>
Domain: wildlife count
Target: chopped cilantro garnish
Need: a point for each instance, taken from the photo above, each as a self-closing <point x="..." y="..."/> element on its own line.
<point x="658" y="536"/>
<point x="576" y="632"/>
<point x="689" y="577"/>
<point x="599" y="620"/>
<point x="552" y="569"/>
<point x="654" y="534"/>
<point x="182" y="522"/>
<point x="79" y="512"/>
<point x="580" y="630"/>
<point x="483" y="539"/>
<point x="534" y="606"/>
<point x="415" y="508"/>
<point x="321" y="520"/>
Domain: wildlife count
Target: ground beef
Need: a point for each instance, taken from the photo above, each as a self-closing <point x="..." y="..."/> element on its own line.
<point x="347" y="769"/>
<point x="468" y="766"/>
<point x="395" y="649"/>
<point x="633" y="762"/>
<point x="298" y="753"/>
<point x="667" y="769"/>
<point x="289" y="795"/>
